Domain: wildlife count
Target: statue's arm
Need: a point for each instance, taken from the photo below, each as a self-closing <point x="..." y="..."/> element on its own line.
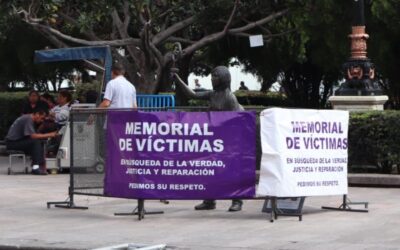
<point x="189" y="92"/>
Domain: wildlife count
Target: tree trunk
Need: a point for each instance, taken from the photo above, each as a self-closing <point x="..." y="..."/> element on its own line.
<point x="184" y="66"/>
<point x="146" y="83"/>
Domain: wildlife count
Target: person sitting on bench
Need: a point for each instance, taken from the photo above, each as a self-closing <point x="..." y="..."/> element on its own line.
<point x="33" y="103"/>
<point x="57" y="119"/>
<point x="60" y="113"/>
<point x="58" y="116"/>
<point x="22" y="136"/>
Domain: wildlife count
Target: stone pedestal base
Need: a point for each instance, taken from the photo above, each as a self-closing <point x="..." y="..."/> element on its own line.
<point x="358" y="103"/>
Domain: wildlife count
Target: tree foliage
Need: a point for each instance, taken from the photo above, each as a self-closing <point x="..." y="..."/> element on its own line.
<point x="148" y="30"/>
<point x="306" y="41"/>
<point x="16" y="57"/>
<point x="308" y="61"/>
<point x="383" y="47"/>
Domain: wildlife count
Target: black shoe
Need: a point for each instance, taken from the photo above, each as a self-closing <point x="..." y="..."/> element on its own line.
<point x="38" y="172"/>
<point x="205" y="206"/>
<point x="236" y="206"/>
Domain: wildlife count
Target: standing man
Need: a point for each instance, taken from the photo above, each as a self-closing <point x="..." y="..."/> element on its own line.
<point x="23" y="136"/>
<point x="120" y="93"/>
<point x="221" y="98"/>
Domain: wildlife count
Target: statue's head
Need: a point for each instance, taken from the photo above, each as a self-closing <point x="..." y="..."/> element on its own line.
<point x="221" y="78"/>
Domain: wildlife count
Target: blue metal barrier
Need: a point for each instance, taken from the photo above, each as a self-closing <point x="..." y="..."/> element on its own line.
<point x="155" y="101"/>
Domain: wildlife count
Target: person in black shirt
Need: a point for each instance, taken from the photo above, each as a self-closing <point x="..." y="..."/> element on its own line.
<point x="49" y="100"/>
<point x="34" y="103"/>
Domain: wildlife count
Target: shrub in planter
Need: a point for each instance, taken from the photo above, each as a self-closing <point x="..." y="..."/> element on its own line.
<point x="11" y="104"/>
<point x="374" y="139"/>
<point x="87" y="92"/>
<point x="263" y="99"/>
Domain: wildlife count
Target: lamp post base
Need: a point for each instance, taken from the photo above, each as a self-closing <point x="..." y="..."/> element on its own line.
<point x="358" y="103"/>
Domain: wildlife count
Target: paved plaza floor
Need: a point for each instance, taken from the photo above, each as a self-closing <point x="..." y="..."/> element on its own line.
<point x="26" y="223"/>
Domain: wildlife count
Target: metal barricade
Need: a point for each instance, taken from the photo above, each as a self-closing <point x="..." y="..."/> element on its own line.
<point x="87" y="131"/>
<point x="88" y="149"/>
<point x="155" y="102"/>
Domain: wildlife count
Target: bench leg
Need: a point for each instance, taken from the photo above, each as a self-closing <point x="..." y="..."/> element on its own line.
<point x="9" y="164"/>
<point x="24" y="162"/>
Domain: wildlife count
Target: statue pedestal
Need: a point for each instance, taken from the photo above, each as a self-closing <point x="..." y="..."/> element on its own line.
<point x="358" y="103"/>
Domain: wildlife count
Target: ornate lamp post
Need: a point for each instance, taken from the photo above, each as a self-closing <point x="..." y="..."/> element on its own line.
<point x="359" y="71"/>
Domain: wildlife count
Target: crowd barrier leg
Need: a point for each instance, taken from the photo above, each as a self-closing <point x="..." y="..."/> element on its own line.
<point x="345" y="206"/>
<point x="139" y="211"/>
<point x="273" y="215"/>
<point x="272" y="207"/>
<point x="69" y="203"/>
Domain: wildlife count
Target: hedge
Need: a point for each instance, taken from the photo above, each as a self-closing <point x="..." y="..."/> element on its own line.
<point x="11" y="104"/>
<point x="374" y="139"/>
<point x="256" y="98"/>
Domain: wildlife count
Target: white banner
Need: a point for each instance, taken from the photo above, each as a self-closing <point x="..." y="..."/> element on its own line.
<point x="304" y="152"/>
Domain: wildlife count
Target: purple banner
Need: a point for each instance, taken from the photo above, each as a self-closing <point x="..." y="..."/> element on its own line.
<point x="180" y="155"/>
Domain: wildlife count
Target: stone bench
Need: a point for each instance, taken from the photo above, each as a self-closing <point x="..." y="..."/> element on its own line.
<point x="13" y="154"/>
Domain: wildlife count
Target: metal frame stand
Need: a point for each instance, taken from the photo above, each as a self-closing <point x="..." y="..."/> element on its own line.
<point x="69" y="203"/>
<point x="345" y="206"/>
<point x="276" y="212"/>
<point x="139" y="211"/>
<point x="273" y="216"/>
<point x="300" y="215"/>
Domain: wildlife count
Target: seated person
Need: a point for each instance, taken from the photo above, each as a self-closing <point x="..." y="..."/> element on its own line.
<point x="49" y="99"/>
<point x="23" y="136"/>
<point x="57" y="118"/>
<point x="60" y="113"/>
<point x="33" y="103"/>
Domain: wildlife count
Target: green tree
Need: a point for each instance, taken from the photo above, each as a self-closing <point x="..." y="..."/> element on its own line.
<point x="148" y="30"/>
<point x="305" y="40"/>
<point x="308" y="59"/>
<point x="16" y="59"/>
<point x="383" y="25"/>
<point x="325" y="26"/>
